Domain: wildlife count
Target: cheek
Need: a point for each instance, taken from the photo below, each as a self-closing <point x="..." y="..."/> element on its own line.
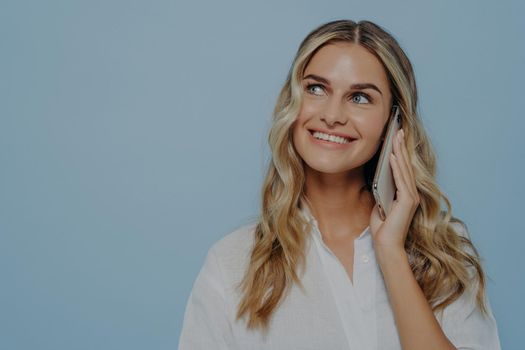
<point x="304" y="115"/>
<point x="300" y="135"/>
<point x="371" y="128"/>
<point x="297" y="130"/>
<point x="309" y="109"/>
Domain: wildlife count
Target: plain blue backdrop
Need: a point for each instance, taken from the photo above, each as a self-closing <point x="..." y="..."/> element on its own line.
<point x="133" y="136"/>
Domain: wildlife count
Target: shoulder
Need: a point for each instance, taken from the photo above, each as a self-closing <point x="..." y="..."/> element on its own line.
<point x="473" y="261"/>
<point x="232" y="252"/>
<point x="462" y="230"/>
<point x="210" y="308"/>
<point x="236" y="243"/>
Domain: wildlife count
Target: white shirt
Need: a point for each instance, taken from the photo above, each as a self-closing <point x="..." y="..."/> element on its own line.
<point x="333" y="314"/>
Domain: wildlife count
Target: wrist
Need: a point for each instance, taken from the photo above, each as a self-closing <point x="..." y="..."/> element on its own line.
<point x="390" y="254"/>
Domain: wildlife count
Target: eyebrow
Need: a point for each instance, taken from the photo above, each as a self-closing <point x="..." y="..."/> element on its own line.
<point x="357" y="86"/>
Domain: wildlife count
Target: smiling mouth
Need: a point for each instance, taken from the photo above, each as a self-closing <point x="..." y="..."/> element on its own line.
<point x="330" y="138"/>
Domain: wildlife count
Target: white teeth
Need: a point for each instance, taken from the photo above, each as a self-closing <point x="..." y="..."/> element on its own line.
<point x="327" y="137"/>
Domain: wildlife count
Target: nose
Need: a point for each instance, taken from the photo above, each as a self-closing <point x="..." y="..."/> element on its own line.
<point x="333" y="113"/>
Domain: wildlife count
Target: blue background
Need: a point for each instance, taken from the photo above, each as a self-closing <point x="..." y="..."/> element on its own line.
<point x="133" y="136"/>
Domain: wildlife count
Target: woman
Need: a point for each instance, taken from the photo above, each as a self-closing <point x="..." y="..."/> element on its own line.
<point x="320" y="269"/>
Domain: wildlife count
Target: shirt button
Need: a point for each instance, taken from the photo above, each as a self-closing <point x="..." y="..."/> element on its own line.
<point x="365" y="258"/>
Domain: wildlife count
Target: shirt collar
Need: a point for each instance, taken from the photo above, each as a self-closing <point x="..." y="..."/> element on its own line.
<point x="305" y="211"/>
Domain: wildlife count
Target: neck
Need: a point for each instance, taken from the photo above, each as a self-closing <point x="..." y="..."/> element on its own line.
<point x="339" y="202"/>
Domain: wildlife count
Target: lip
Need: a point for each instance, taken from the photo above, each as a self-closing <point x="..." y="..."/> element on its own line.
<point x="346" y="136"/>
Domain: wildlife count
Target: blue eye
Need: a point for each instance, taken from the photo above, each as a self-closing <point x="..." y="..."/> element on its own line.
<point x="309" y="90"/>
<point x="362" y="94"/>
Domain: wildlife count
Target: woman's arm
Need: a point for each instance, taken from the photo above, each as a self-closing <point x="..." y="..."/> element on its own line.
<point x="416" y="323"/>
<point x="417" y="326"/>
<point x="463" y="324"/>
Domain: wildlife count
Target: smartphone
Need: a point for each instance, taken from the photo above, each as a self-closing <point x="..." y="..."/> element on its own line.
<point x="383" y="185"/>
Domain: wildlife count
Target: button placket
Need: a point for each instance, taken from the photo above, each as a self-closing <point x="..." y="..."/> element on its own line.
<point x="343" y="293"/>
<point x="364" y="272"/>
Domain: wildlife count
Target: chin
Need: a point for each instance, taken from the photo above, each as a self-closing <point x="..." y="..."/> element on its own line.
<point x="327" y="168"/>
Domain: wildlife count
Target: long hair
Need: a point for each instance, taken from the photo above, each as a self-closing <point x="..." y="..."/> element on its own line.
<point x="443" y="259"/>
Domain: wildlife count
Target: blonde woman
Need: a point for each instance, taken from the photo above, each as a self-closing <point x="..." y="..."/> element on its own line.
<point x="320" y="269"/>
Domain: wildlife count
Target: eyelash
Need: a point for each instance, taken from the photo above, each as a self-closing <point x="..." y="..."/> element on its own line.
<point x="355" y="94"/>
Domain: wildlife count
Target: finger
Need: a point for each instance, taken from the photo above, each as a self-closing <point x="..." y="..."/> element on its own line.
<point x="410" y="168"/>
<point x="404" y="150"/>
<point x="404" y="212"/>
<point x="398" y="177"/>
<point x="402" y="167"/>
<point x="408" y="171"/>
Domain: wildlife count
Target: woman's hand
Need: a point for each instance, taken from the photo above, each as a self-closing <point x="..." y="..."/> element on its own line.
<point x="390" y="235"/>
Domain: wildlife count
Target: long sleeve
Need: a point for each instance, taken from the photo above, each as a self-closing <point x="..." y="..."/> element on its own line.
<point x="206" y="324"/>
<point x="465" y="325"/>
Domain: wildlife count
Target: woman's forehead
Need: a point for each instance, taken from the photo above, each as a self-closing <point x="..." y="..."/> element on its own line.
<point x="341" y="61"/>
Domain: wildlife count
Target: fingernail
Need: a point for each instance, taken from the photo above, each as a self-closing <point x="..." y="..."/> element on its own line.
<point x="402" y="133"/>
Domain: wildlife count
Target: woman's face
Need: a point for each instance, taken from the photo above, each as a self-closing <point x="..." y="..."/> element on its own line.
<point x="345" y="93"/>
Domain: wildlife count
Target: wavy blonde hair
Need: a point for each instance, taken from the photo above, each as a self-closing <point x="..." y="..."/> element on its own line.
<point x="443" y="259"/>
